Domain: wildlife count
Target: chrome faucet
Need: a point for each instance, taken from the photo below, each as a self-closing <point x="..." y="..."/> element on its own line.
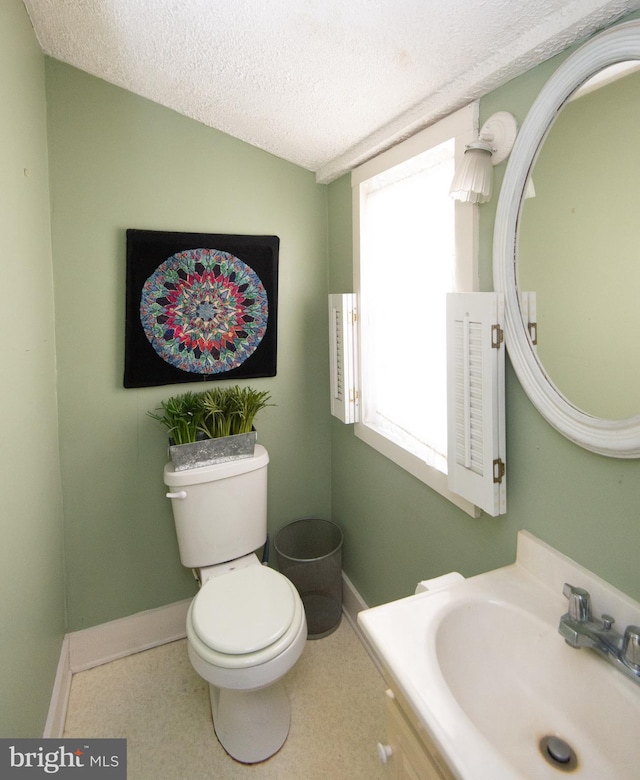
<point x="579" y="629"/>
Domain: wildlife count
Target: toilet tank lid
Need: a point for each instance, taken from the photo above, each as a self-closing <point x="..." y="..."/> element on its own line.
<point x="230" y="468"/>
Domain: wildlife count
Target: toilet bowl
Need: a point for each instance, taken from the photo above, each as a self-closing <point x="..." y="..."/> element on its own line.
<point x="246" y="626"/>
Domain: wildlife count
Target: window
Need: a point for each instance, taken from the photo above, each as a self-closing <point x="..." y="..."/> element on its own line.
<point x="413" y="244"/>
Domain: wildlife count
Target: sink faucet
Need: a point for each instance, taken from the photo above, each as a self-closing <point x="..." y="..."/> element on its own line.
<point x="579" y="629"/>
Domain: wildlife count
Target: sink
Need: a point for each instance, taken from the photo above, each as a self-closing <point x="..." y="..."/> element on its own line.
<point x="486" y="672"/>
<point x="519" y="683"/>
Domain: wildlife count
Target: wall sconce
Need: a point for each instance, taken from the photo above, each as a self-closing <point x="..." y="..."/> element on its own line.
<point x="473" y="181"/>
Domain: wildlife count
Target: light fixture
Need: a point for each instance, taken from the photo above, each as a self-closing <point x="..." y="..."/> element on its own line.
<point x="473" y="181"/>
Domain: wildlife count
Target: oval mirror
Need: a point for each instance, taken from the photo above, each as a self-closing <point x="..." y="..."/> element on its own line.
<point x="580" y="375"/>
<point x="578" y="246"/>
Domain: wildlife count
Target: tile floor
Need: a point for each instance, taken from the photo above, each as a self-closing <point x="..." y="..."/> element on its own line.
<point x="161" y="706"/>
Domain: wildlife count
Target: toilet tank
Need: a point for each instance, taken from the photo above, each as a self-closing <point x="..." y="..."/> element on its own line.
<point x="220" y="511"/>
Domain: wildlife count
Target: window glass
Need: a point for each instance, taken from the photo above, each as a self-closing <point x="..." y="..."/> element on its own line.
<point x="412" y="245"/>
<point x="407" y="266"/>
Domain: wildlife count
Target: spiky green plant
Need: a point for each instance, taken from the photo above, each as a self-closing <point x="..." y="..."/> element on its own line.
<point x="182" y="416"/>
<point x="247" y="402"/>
<point x="220" y="411"/>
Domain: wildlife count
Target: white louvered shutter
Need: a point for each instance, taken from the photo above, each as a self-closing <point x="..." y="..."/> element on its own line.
<point x="342" y="346"/>
<point x="475" y="399"/>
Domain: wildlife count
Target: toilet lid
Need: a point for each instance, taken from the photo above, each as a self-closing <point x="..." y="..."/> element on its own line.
<point x="243" y="611"/>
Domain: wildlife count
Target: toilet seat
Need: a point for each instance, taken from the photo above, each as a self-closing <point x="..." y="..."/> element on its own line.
<point x="243" y="611"/>
<point x="244" y="618"/>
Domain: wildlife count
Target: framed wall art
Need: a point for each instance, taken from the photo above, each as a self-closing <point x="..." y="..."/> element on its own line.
<point x="200" y="307"/>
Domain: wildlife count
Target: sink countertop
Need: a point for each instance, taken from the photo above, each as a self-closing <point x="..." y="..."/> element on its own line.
<point x="449" y="652"/>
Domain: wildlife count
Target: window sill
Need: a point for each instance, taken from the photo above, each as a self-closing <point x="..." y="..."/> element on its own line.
<point x="430" y="476"/>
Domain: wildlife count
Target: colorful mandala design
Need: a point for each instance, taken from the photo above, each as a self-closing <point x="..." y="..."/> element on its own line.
<point x="204" y="311"/>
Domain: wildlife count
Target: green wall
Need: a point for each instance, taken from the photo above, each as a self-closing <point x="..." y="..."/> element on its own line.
<point x="399" y="531"/>
<point x="31" y="562"/>
<point x="117" y="162"/>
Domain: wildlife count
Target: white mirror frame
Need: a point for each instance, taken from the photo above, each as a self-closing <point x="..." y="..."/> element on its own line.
<point x="615" y="438"/>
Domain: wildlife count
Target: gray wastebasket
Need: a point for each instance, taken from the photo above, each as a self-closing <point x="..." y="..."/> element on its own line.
<point x="309" y="553"/>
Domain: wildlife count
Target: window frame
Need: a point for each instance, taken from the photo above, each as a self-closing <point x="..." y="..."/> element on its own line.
<point x="462" y="126"/>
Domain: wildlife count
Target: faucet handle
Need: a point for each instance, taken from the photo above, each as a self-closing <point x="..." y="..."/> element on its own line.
<point x="579" y="603"/>
<point x="607" y="622"/>
<point x="631" y="646"/>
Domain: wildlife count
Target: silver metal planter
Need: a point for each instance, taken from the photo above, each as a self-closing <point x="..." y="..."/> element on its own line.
<point x="210" y="451"/>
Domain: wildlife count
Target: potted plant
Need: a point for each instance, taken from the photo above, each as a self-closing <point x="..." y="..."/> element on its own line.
<point x="211" y="427"/>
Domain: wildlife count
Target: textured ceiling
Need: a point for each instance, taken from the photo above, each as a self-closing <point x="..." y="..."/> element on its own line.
<point x="322" y="83"/>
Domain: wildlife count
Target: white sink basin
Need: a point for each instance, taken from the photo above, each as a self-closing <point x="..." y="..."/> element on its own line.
<point x="489" y="676"/>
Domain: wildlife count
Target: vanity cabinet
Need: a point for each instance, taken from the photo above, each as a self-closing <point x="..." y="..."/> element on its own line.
<point x="410" y="753"/>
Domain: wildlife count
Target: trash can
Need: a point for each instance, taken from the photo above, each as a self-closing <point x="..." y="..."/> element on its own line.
<point x="309" y="553"/>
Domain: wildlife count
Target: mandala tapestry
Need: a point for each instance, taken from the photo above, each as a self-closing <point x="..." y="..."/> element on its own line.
<point x="199" y="307"/>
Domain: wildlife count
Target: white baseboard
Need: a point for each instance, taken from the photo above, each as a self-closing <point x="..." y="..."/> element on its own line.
<point x="54" y="726"/>
<point x="352" y="603"/>
<point x="126" y="636"/>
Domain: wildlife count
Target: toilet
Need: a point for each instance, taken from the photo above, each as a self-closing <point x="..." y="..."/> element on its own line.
<point x="246" y="626"/>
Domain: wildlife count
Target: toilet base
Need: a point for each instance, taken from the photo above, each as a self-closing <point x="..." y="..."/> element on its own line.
<point x="251" y="725"/>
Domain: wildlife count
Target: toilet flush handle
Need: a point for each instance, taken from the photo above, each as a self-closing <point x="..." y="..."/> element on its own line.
<point x="181" y="494"/>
